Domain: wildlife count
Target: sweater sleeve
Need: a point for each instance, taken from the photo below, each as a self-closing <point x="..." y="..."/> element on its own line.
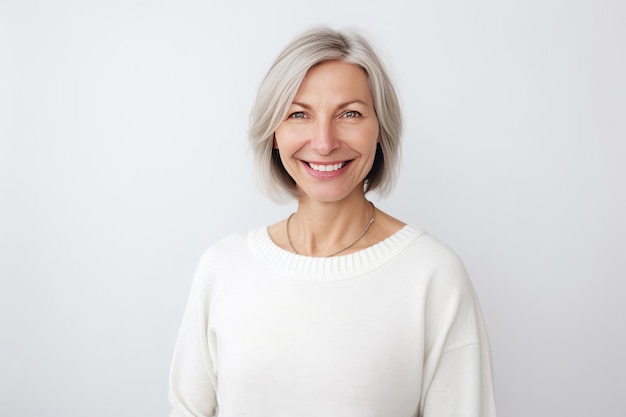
<point x="192" y="389"/>
<point x="457" y="378"/>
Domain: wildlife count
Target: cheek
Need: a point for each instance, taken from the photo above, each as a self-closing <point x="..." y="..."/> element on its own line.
<point x="284" y="144"/>
<point x="368" y="137"/>
<point x="290" y="139"/>
<point x="282" y="137"/>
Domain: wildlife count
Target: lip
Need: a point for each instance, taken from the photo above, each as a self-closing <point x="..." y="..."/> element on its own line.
<point x="326" y="175"/>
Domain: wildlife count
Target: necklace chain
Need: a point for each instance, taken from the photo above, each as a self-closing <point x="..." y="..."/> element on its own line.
<point x="369" y="224"/>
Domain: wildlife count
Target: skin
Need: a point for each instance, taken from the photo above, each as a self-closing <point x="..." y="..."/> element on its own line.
<point x="331" y="123"/>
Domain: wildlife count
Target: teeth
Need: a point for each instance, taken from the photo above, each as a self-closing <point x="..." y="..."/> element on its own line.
<point x="328" y="168"/>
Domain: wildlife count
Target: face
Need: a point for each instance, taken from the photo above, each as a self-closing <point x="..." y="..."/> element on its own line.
<point x="327" y="142"/>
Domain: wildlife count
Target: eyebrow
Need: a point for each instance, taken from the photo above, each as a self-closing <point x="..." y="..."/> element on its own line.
<point x="346" y="104"/>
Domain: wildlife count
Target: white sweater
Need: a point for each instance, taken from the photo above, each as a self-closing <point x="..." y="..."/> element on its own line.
<point x="394" y="330"/>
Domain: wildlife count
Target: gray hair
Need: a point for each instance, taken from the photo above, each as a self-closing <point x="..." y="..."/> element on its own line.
<point x="278" y="90"/>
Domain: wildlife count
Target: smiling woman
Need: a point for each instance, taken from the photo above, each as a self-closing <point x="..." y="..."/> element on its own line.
<point x="340" y="309"/>
<point x="328" y="141"/>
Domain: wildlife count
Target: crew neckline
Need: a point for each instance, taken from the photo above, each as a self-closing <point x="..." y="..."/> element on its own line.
<point x="338" y="267"/>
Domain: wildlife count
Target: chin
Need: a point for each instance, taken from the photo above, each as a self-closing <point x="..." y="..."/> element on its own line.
<point x="328" y="195"/>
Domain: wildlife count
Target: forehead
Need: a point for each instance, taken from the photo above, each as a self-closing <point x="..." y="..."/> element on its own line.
<point x="335" y="79"/>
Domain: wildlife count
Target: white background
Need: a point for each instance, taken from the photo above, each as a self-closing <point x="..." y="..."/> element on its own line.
<point x="123" y="155"/>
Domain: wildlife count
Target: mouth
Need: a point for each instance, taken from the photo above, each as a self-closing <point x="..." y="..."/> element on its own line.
<point x="327" y="167"/>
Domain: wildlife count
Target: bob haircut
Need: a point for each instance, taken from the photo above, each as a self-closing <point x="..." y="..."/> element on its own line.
<point x="278" y="90"/>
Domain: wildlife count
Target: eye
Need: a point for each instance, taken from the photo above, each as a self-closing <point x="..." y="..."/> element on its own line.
<point x="297" y="115"/>
<point x="351" y="114"/>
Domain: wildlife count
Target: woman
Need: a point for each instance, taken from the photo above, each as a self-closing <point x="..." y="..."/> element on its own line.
<point x="340" y="309"/>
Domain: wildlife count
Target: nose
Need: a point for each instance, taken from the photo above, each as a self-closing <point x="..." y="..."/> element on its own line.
<point x="324" y="137"/>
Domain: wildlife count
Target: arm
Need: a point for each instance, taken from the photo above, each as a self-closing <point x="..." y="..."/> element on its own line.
<point x="192" y="378"/>
<point x="457" y="370"/>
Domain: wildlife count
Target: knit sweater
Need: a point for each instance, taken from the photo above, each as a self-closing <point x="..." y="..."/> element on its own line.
<point x="393" y="330"/>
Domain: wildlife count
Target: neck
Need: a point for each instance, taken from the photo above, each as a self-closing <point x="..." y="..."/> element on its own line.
<point x="323" y="229"/>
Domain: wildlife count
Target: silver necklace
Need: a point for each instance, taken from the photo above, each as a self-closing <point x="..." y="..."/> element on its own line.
<point x="369" y="224"/>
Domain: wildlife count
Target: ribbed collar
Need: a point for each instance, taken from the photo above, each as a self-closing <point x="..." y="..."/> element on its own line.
<point x="339" y="267"/>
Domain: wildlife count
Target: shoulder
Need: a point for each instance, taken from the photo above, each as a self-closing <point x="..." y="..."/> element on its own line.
<point x="427" y="249"/>
<point x="450" y="299"/>
<point x="233" y="245"/>
<point x="221" y="255"/>
<point x="436" y="260"/>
